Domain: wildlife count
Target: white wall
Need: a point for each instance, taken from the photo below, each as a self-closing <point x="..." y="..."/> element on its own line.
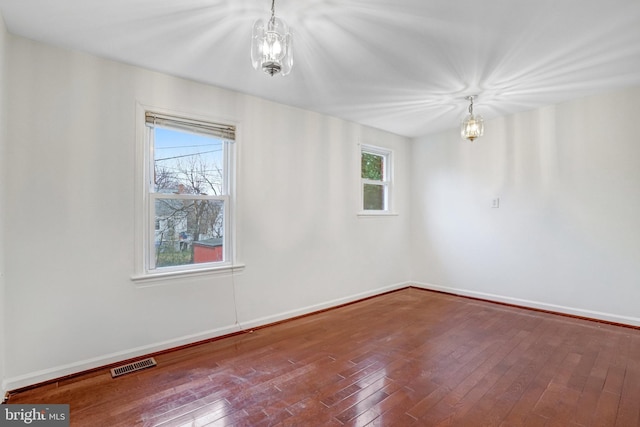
<point x="3" y="179"/>
<point x="70" y="207"/>
<point x="566" y="236"/>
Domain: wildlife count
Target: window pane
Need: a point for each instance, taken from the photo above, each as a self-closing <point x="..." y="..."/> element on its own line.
<point x="374" y="197"/>
<point x="188" y="231"/>
<point x="372" y="166"/>
<point x="187" y="163"/>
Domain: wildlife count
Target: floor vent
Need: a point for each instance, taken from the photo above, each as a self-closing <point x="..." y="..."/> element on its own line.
<point x="132" y="367"/>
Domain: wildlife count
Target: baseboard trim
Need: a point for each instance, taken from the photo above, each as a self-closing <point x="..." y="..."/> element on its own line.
<point x="19" y="383"/>
<point x="56" y="373"/>
<point x="328" y="305"/>
<point x="615" y="319"/>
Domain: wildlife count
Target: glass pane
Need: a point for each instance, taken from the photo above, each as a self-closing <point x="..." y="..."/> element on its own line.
<point x="188" y="231"/>
<point x="187" y="163"/>
<point x="372" y="166"/>
<point x="374" y="197"/>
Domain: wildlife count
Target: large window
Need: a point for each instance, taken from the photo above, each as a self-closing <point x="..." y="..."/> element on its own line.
<point x="188" y="182"/>
<point x="376" y="179"/>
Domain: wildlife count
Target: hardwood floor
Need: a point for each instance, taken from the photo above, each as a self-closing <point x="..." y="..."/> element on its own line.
<point x="408" y="358"/>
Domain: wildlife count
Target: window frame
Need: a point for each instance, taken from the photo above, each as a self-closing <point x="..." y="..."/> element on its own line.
<point x="145" y="270"/>
<point x="386" y="183"/>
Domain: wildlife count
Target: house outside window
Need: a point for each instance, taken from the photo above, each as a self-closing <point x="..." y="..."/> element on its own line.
<point x="376" y="179"/>
<point x="188" y="181"/>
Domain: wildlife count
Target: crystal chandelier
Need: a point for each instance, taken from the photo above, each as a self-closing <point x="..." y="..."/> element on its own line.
<point x="472" y="126"/>
<point x="271" y="45"/>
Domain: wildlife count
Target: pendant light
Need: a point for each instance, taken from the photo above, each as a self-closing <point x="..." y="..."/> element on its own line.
<point x="271" y="45"/>
<point x="472" y="126"/>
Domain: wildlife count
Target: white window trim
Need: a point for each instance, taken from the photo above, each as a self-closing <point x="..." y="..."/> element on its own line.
<point x="387" y="181"/>
<point x="144" y="224"/>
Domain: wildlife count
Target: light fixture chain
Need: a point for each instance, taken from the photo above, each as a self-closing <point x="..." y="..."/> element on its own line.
<point x="273" y="8"/>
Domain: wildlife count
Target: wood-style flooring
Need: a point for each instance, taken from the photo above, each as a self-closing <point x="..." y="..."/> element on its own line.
<point x="407" y="358"/>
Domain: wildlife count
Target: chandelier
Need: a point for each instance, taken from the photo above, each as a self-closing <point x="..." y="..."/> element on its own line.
<point x="271" y="45"/>
<point x="472" y="126"/>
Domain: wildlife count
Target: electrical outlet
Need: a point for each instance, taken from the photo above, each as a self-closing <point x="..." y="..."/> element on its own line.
<point x="495" y="203"/>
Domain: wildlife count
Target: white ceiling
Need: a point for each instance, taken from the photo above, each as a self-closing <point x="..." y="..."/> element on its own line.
<point x="400" y="65"/>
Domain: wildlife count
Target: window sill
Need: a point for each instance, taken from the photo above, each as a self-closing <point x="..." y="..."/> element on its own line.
<point x="149" y="278"/>
<point x="365" y="214"/>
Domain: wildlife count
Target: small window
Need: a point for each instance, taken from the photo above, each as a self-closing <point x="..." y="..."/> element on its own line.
<point x="376" y="179"/>
<point x="188" y="183"/>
